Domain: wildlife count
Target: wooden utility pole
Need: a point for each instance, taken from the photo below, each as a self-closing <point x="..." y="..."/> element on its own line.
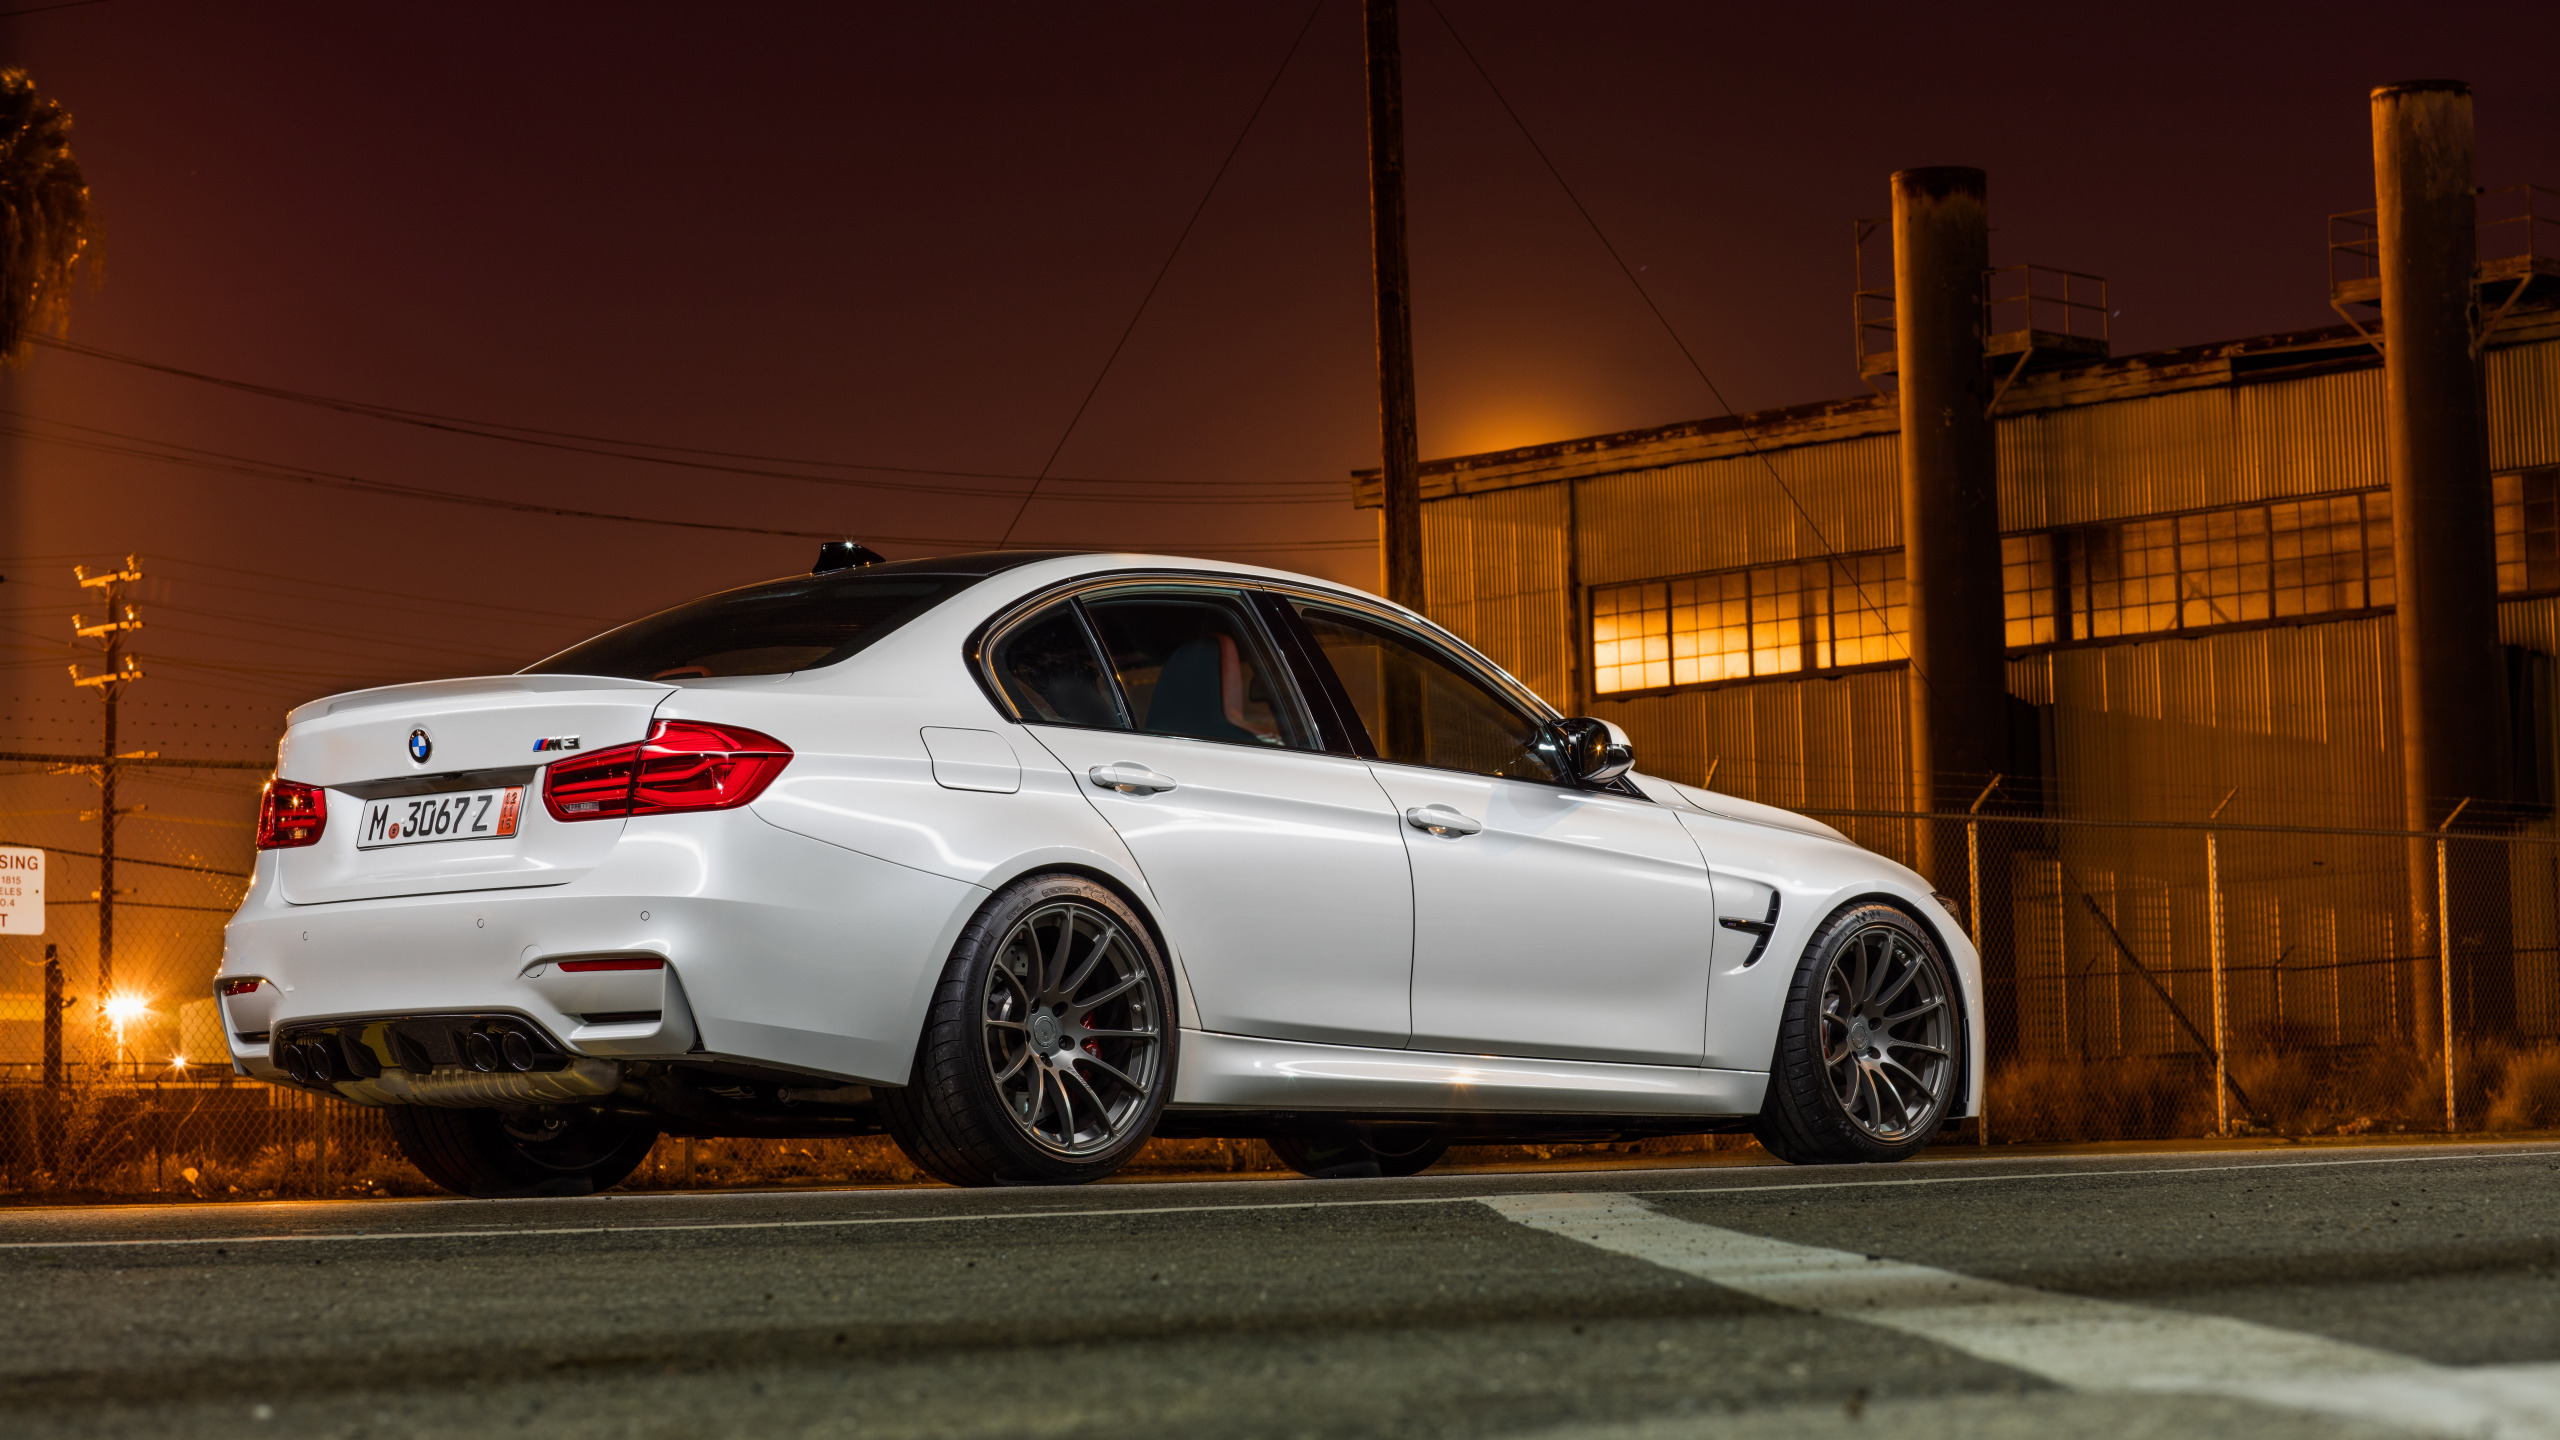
<point x="109" y="683"/>
<point x="1400" y="534"/>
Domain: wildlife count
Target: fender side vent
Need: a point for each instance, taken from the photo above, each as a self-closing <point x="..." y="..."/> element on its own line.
<point x="1761" y="928"/>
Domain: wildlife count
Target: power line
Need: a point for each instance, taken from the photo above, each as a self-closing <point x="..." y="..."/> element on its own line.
<point x="170" y="453"/>
<point x="220" y="462"/>
<point x="1829" y="550"/>
<point x="726" y="462"/>
<point x="1161" y="271"/>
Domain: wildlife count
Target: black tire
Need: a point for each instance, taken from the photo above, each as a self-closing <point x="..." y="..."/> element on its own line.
<point x="1048" y="1052"/>
<point x="1870" y="1046"/>
<point x="499" y="1154"/>
<point x="1350" y="1152"/>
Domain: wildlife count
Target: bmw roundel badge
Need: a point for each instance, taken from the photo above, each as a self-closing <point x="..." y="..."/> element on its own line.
<point x="420" y="747"/>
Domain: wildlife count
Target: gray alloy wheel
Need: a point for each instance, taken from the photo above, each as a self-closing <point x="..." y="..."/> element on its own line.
<point x="1048" y="1053"/>
<point x="1870" y="1044"/>
<point x="1074" y="1027"/>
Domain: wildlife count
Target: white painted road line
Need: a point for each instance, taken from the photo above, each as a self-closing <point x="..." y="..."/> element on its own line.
<point x="2085" y="1344"/>
<point x="678" y="1227"/>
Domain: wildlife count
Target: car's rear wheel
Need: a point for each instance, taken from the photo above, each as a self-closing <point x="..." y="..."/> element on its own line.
<point x="1869" y="1044"/>
<point x="1049" y="1049"/>
<point x="1359" y="1151"/>
<point x="495" y="1154"/>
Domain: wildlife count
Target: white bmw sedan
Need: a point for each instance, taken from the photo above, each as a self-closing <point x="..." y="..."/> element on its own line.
<point x="1025" y="857"/>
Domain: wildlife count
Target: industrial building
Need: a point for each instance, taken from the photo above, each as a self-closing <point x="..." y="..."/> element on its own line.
<point x="2298" y="580"/>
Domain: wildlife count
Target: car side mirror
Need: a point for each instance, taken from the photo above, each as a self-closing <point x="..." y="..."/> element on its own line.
<point x="1593" y="752"/>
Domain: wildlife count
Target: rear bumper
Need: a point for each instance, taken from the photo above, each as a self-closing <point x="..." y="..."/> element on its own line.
<point x="778" y="949"/>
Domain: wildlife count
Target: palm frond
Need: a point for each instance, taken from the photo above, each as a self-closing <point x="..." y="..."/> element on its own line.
<point x="45" y="227"/>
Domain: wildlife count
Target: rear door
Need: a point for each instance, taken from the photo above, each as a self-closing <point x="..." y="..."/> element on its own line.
<point x="1548" y="920"/>
<point x="1279" y="867"/>
<point x="419" y="781"/>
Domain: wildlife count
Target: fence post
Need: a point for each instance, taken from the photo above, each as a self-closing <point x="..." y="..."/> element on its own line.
<point x="2444" y="970"/>
<point x="1973" y="924"/>
<point x="2221" y="1005"/>
<point x="2215" y="949"/>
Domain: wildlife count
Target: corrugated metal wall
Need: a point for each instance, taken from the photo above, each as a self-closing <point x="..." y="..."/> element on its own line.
<point x="2299" y="726"/>
<point x="1840" y="743"/>
<point x="2524" y="406"/>
<point x="2191" y="449"/>
<point x="1494" y="572"/>
<point x="2302" y="720"/>
<point x="1718" y="514"/>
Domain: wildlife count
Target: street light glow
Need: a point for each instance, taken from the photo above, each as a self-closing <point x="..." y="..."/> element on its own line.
<point x="124" y="1009"/>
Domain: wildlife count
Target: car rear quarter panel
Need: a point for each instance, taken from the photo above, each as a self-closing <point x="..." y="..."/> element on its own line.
<point x="862" y="779"/>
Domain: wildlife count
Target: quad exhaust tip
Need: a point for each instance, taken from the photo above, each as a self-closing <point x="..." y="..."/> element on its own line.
<point x="482" y="1044"/>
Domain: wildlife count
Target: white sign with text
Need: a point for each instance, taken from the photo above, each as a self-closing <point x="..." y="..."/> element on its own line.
<point x="21" y="892"/>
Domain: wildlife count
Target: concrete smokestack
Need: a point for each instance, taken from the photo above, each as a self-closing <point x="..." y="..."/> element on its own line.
<point x="1950" y="496"/>
<point x="2453" y="713"/>
<point x="2452" y="678"/>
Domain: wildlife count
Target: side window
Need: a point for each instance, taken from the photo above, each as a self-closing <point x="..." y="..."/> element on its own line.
<point x="1047" y="667"/>
<point x="1194" y="663"/>
<point x="1420" y="707"/>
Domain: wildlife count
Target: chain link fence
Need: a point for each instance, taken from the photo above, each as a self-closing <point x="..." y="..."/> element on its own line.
<point x="2166" y="979"/>
<point x="2146" y="980"/>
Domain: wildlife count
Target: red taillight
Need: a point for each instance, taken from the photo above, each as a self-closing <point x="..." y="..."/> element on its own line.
<point x="239" y="987"/>
<point x="683" y="765"/>
<point x="291" y="814"/>
<point x="632" y="963"/>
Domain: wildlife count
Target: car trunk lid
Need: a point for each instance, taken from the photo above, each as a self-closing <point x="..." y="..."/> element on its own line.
<point x="445" y="739"/>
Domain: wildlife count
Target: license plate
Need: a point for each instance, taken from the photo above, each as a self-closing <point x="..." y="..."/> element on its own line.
<point x="454" y="815"/>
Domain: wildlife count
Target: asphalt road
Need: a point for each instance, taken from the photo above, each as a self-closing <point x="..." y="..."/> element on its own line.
<point x="2271" y="1294"/>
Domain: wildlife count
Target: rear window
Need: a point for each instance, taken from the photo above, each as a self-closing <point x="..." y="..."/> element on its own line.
<point x="769" y="629"/>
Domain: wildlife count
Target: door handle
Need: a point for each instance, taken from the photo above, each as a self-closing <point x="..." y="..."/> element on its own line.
<point x="1442" y="821"/>
<point x="1129" y="778"/>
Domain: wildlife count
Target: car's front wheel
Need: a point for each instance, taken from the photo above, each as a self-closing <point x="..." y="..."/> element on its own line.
<point x="494" y="1154"/>
<point x="1869" y="1044"/>
<point x="1049" y="1049"/>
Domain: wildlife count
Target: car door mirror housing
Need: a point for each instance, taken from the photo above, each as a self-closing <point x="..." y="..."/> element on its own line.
<point x="1592" y="752"/>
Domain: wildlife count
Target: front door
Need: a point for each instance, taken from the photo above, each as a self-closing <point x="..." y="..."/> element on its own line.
<point x="1279" y="869"/>
<point x="1548" y="920"/>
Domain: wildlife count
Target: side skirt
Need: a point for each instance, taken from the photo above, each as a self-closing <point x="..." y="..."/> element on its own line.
<point x="1242" y="1072"/>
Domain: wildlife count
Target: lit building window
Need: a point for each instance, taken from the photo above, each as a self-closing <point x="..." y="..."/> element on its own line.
<point x="2323" y="554"/>
<point x="2026" y="589"/>
<point x="2229" y="567"/>
<point x="1871" y="615"/>
<point x="2222" y="564"/>
<point x="1711" y="628"/>
<point x="2528" y="511"/>
<point x="1775" y="620"/>
<point x="1630" y="645"/>
<point x="2245" y="564"/>
<point x="2124" y="579"/>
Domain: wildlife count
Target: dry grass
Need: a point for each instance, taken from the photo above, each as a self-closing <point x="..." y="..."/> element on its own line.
<point x="2527" y="1095"/>
<point x="2051" y="1101"/>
